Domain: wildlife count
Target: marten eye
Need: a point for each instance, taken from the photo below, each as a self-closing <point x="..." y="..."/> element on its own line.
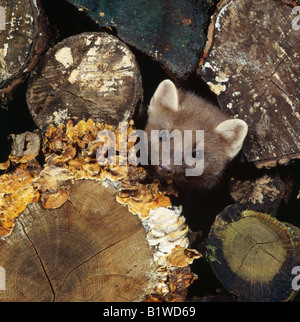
<point x="197" y="154"/>
<point x="163" y="135"/>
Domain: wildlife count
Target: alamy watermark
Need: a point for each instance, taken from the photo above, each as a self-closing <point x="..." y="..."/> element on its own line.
<point x="2" y="279"/>
<point x="182" y="148"/>
<point x="296" y="20"/>
<point x="2" y="18"/>
<point x="296" y="279"/>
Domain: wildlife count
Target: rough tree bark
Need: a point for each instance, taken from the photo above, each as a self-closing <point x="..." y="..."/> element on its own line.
<point x="23" y="38"/>
<point x="251" y="61"/>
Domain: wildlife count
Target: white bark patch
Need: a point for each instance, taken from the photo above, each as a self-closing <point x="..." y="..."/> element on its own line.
<point x="64" y="56"/>
<point x="216" y="88"/>
<point x="259" y="189"/>
<point x="221" y="13"/>
<point x="74" y="75"/>
<point x="95" y="66"/>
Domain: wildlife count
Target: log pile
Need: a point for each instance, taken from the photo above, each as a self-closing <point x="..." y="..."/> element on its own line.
<point x="71" y="217"/>
<point x="68" y="220"/>
<point x="170" y="32"/>
<point x="75" y="228"/>
<point x="255" y="77"/>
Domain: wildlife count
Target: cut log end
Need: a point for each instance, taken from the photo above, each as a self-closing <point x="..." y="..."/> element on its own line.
<point x="91" y="75"/>
<point x="91" y="248"/>
<point x="262" y="194"/>
<point x="253" y="255"/>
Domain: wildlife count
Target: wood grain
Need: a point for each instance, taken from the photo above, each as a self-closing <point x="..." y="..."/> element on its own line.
<point x="90" y="249"/>
<point x="90" y="75"/>
<point x="253" y="254"/>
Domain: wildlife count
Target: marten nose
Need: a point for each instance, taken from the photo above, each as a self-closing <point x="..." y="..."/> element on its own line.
<point x="166" y="169"/>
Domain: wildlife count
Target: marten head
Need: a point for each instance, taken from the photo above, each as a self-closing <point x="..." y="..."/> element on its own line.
<point x="174" y="109"/>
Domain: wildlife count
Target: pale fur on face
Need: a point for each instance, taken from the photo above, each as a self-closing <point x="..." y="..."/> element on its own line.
<point x="171" y="108"/>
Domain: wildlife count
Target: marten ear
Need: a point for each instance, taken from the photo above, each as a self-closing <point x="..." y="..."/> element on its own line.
<point x="232" y="132"/>
<point x="165" y="96"/>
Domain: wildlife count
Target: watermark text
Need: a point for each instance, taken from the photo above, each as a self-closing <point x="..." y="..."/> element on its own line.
<point x="296" y="279"/>
<point x="167" y="148"/>
<point x="296" y="20"/>
<point x="2" y="279"/>
<point x="2" y="18"/>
